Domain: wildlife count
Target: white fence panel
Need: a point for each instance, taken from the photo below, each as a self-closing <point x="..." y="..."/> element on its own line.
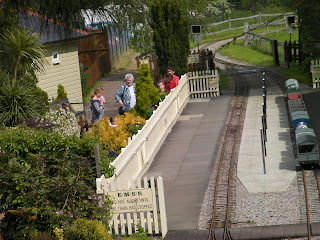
<point x="204" y="84"/>
<point x="125" y="221"/>
<point x="315" y="71"/>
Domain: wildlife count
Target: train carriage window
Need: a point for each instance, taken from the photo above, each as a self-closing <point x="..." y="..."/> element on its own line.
<point x="306" y="148"/>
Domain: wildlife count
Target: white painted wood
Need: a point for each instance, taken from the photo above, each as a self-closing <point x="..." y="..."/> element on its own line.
<point x="200" y="84"/>
<point x="315" y="71"/>
<point x="162" y="207"/>
<point x="123" y="223"/>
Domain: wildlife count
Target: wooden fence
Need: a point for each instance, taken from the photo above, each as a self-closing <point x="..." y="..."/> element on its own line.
<point x="315" y="71"/>
<point x="141" y="204"/>
<point x="244" y="19"/>
<point x="204" y="84"/>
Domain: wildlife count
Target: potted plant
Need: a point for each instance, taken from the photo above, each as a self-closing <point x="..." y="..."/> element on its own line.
<point x="150" y="109"/>
<point x="136" y="127"/>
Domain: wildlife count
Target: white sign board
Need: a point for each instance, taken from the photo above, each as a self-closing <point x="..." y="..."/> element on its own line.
<point x="290" y="30"/>
<point x="136" y="200"/>
<point x="197" y="38"/>
<point x="213" y="83"/>
<point x="193" y="58"/>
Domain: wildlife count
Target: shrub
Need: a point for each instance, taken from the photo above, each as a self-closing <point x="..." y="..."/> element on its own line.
<point x="61" y="94"/>
<point x="115" y="138"/>
<point x="63" y="122"/>
<point x="147" y="94"/>
<point x="46" y="182"/>
<point x="87" y="230"/>
<point x="20" y="101"/>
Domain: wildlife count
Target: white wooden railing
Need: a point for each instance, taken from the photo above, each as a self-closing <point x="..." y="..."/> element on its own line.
<point x="252" y="26"/>
<point x="315" y="71"/>
<point x="137" y="156"/>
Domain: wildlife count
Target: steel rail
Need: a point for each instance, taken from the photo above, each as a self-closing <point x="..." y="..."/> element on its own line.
<point x="226" y="234"/>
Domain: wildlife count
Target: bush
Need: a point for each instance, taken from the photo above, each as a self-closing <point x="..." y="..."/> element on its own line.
<point x="65" y="123"/>
<point x="115" y="138"/>
<point x="20" y="101"/>
<point x="147" y="94"/>
<point x="46" y="182"/>
<point x="87" y="230"/>
<point x="61" y="93"/>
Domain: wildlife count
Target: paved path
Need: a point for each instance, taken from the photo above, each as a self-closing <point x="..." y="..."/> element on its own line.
<point x="185" y="160"/>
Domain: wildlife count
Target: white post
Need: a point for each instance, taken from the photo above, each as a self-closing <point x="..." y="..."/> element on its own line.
<point x="162" y="207"/>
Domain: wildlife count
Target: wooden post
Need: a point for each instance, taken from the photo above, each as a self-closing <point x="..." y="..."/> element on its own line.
<point x="97" y="158"/>
<point x="275" y="53"/>
<point x="294" y="51"/>
<point x="162" y="207"/>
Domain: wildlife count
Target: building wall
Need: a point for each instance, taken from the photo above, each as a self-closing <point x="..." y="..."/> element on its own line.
<point x="66" y="73"/>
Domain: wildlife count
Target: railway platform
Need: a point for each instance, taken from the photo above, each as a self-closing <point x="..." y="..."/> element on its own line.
<point x="186" y="158"/>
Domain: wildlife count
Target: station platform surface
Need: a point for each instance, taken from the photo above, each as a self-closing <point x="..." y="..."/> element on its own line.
<point x="279" y="170"/>
<point x="186" y="158"/>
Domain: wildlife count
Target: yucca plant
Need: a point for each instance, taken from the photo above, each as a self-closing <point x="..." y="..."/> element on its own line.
<point x="20" y="101"/>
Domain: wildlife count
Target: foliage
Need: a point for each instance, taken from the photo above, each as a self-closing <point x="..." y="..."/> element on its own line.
<point x="20" y="101"/>
<point x="47" y="181"/>
<point x="171" y="35"/>
<point x="65" y="123"/>
<point x="309" y="26"/>
<point x="298" y="73"/>
<point x="87" y="230"/>
<point x="61" y="93"/>
<point x="242" y="53"/>
<point x="163" y="95"/>
<point x="140" y="234"/>
<point x="147" y="94"/>
<point x="84" y="81"/>
<point x="224" y="79"/>
<point x="115" y="138"/>
<point x="136" y="127"/>
<point x="20" y="49"/>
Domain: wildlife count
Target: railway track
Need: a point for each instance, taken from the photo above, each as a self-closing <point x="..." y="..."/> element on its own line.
<point x="309" y="184"/>
<point x="224" y="196"/>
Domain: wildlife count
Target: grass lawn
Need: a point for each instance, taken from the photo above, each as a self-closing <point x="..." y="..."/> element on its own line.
<point x="247" y="54"/>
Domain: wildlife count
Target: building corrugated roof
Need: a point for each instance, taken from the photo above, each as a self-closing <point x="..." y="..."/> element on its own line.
<point x="48" y="30"/>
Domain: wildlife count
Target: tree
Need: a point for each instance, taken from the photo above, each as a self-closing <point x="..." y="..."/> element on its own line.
<point x="309" y="25"/>
<point x="171" y="35"/>
<point x="19" y="50"/>
<point x="21" y="55"/>
<point x="147" y="94"/>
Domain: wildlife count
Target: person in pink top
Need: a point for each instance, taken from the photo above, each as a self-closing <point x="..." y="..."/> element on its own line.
<point x="168" y="82"/>
<point x="172" y="70"/>
<point x="102" y="99"/>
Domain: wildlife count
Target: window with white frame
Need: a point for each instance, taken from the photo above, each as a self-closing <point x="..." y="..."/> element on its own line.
<point x="55" y="57"/>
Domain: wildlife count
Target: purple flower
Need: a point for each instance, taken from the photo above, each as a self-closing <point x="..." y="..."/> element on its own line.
<point x="59" y="212"/>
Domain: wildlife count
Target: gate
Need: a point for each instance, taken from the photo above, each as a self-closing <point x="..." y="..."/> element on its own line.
<point x="315" y="71"/>
<point x="204" y="84"/>
<point x="141" y="204"/>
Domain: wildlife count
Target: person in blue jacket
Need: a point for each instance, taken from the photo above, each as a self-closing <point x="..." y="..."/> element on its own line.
<point x="97" y="110"/>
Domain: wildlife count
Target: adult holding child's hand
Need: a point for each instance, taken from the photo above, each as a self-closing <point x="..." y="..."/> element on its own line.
<point x="126" y="95"/>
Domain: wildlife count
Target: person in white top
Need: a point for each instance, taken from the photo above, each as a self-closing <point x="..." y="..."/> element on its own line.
<point x="126" y="95"/>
